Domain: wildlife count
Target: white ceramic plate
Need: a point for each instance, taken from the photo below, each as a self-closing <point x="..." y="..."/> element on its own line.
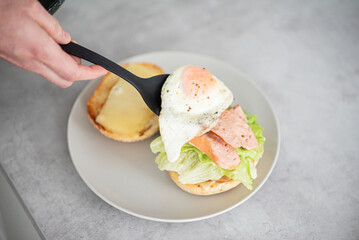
<point x="125" y="174"/>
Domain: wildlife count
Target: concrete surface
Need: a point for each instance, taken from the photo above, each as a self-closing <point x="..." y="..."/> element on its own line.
<point x="304" y="55"/>
<point x="15" y="221"/>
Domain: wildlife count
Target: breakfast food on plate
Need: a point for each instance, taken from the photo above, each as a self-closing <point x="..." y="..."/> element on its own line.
<point x="118" y="111"/>
<point x="207" y="146"/>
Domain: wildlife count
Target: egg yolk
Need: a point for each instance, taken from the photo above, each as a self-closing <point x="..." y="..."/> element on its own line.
<point x="197" y="82"/>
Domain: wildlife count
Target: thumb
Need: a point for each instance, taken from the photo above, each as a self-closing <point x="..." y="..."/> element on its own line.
<point x="50" y="24"/>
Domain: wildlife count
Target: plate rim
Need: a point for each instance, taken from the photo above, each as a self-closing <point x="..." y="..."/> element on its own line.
<point x="179" y="220"/>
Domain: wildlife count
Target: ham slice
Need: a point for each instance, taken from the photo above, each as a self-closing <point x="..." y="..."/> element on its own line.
<point x="222" y="154"/>
<point x="231" y="131"/>
<point x="232" y="127"/>
<point x="237" y="110"/>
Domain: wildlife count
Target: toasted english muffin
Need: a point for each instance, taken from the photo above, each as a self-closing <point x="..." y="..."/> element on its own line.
<point x="118" y="111"/>
<point x="205" y="188"/>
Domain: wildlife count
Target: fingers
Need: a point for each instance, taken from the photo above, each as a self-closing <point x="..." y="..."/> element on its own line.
<point x="44" y="71"/>
<point x="49" y="23"/>
<point x="90" y="72"/>
<point x="68" y="67"/>
<point x="33" y="44"/>
<point x="65" y="66"/>
<point x="77" y="59"/>
<point x="47" y="73"/>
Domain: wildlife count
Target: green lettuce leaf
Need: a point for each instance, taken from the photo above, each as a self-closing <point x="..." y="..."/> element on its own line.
<point x="193" y="166"/>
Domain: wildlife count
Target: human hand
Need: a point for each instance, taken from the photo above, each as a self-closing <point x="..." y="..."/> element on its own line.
<point x="30" y="39"/>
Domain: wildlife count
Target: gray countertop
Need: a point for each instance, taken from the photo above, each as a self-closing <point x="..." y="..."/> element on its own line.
<point x="303" y="54"/>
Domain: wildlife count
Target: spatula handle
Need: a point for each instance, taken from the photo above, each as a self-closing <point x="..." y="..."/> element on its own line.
<point x="95" y="58"/>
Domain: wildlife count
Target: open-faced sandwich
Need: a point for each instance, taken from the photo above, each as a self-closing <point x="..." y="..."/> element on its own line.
<point x="207" y="146"/>
<point x="118" y="111"/>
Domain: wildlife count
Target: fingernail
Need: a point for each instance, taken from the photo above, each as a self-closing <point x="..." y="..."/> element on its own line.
<point x="66" y="35"/>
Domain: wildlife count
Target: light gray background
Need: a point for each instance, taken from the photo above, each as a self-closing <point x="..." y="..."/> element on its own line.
<point x="304" y="55"/>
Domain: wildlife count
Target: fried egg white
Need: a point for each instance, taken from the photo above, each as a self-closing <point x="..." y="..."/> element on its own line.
<point x="192" y="101"/>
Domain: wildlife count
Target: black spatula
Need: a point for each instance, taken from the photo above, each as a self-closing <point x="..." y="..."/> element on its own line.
<point x="149" y="88"/>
